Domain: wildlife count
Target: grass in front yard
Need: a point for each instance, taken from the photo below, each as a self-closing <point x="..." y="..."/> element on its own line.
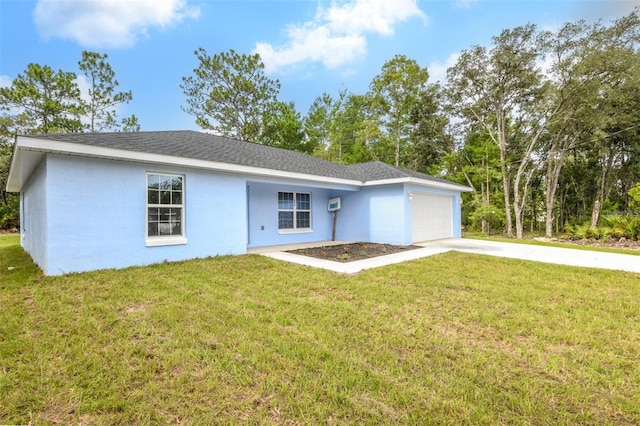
<point x="451" y="339"/>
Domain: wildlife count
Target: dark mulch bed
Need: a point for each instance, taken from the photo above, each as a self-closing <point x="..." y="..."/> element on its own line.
<point x="352" y="252"/>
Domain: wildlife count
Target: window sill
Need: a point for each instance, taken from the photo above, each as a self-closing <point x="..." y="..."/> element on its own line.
<point x="165" y="241"/>
<point x="295" y="231"/>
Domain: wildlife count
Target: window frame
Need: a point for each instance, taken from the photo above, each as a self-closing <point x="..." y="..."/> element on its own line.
<point x="165" y="240"/>
<point x="295" y="210"/>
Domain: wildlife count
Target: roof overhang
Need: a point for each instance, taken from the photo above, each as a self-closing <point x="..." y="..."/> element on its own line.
<point x="421" y="182"/>
<point x="30" y="151"/>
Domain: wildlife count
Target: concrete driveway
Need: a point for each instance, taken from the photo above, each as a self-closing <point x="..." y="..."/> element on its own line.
<point x="557" y="255"/>
<point x="560" y="256"/>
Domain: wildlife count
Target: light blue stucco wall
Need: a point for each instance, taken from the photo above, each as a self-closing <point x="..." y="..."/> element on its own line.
<point x="383" y="214"/>
<point x="373" y="214"/>
<point x="33" y="229"/>
<point x="353" y="218"/>
<point x="263" y="215"/>
<point x="96" y="215"/>
<point x="387" y="205"/>
<point x="82" y="214"/>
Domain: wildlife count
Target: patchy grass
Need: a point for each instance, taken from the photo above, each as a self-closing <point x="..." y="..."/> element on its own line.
<point x="451" y="339"/>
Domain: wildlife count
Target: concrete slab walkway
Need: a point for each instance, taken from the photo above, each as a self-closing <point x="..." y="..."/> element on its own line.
<point x="554" y="255"/>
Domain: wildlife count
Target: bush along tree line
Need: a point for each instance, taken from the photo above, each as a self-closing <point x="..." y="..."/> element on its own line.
<point x="41" y="100"/>
<point x="614" y="225"/>
<point x="541" y="124"/>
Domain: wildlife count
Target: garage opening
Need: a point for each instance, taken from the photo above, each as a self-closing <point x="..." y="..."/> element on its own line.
<point x="431" y="217"/>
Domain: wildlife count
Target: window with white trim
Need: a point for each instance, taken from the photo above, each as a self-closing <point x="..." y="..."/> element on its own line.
<point x="294" y="211"/>
<point x="165" y="209"/>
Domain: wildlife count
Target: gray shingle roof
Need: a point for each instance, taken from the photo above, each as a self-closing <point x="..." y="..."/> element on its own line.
<point x="377" y="170"/>
<point x="204" y="146"/>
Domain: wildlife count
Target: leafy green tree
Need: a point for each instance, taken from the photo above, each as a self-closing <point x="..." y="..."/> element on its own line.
<point x="319" y="123"/>
<point x="100" y="109"/>
<point x="282" y="127"/>
<point x="351" y="141"/>
<point x="9" y="203"/>
<point x="571" y="91"/>
<point x="501" y="90"/>
<point x="477" y="165"/>
<point x="394" y="94"/>
<point x="229" y="93"/>
<point x="430" y="141"/>
<point x="594" y="70"/>
<point x="38" y="101"/>
<point x="130" y="124"/>
<point x="634" y="198"/>
<point x="43" y="101"/>
<point x="337" y="128"/>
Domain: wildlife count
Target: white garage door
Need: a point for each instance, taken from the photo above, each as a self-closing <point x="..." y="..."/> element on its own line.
<point x="432" y="217"/>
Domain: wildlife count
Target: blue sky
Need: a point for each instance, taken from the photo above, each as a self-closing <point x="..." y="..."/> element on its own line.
<point x="311" y="46"/>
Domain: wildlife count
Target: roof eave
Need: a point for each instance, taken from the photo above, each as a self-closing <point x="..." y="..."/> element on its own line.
<point x="21" y="168"/>
<point x="18" y="174"/>
<point x="29" y="151"/>
<point x="422" y="182"/>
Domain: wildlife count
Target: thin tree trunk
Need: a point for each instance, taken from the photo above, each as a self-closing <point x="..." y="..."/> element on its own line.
<point x="397" y="137"/>
<point x="554" y="167"/>
<point x="519" y="201"/>
<point x="604" y="189"/>
<point x="595" y="214"/>
<point x="485" y="199"/>
<point x="506" y="190"/>
<point x="502" y="144"/>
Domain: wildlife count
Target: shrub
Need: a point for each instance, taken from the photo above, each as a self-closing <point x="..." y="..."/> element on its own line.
<point x="493" y="215"/>
<point x="623" y="225"/>
<point x="634" y="198"/>
<point x="579" y="232"/>
<point x="10" y="213"/>
<point x="613" y="226"/>
<point x="602" y="233"/>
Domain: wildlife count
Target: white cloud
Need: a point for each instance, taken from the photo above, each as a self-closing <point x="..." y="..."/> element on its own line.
<point x="5" y="81"/>
<point x="438" y="70"/>
<point x="464" y="4"/>
<point x="84" y="87"/>
<point x="337" y="35"/>
<point x="107" y="23"/>
<point x="605" y="10"/>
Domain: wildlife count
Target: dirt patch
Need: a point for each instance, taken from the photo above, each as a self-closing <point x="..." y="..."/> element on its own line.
<point x="11" y="231"/>
<point x="352" y="252"/>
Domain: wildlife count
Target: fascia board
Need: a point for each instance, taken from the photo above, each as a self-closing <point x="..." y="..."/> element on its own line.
<point x="18" y="174"/>
<point x="421" y="182"/>
<point x="49" y="146"/>
<point x="22" y="166"/>
<point x="12" y="184"/>
<point x="303" y="183"/>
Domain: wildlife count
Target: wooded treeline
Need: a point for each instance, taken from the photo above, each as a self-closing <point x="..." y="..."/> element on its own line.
<point x="543" y="125"/>
<point x="41" y="100"/>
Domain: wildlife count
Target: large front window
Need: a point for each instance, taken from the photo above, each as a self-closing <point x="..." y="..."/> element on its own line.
<point x="294" y="211"/>
<point x="165" y="209"/>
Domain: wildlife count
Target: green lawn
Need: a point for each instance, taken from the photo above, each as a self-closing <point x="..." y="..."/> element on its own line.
<point x="450" y="339"/>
